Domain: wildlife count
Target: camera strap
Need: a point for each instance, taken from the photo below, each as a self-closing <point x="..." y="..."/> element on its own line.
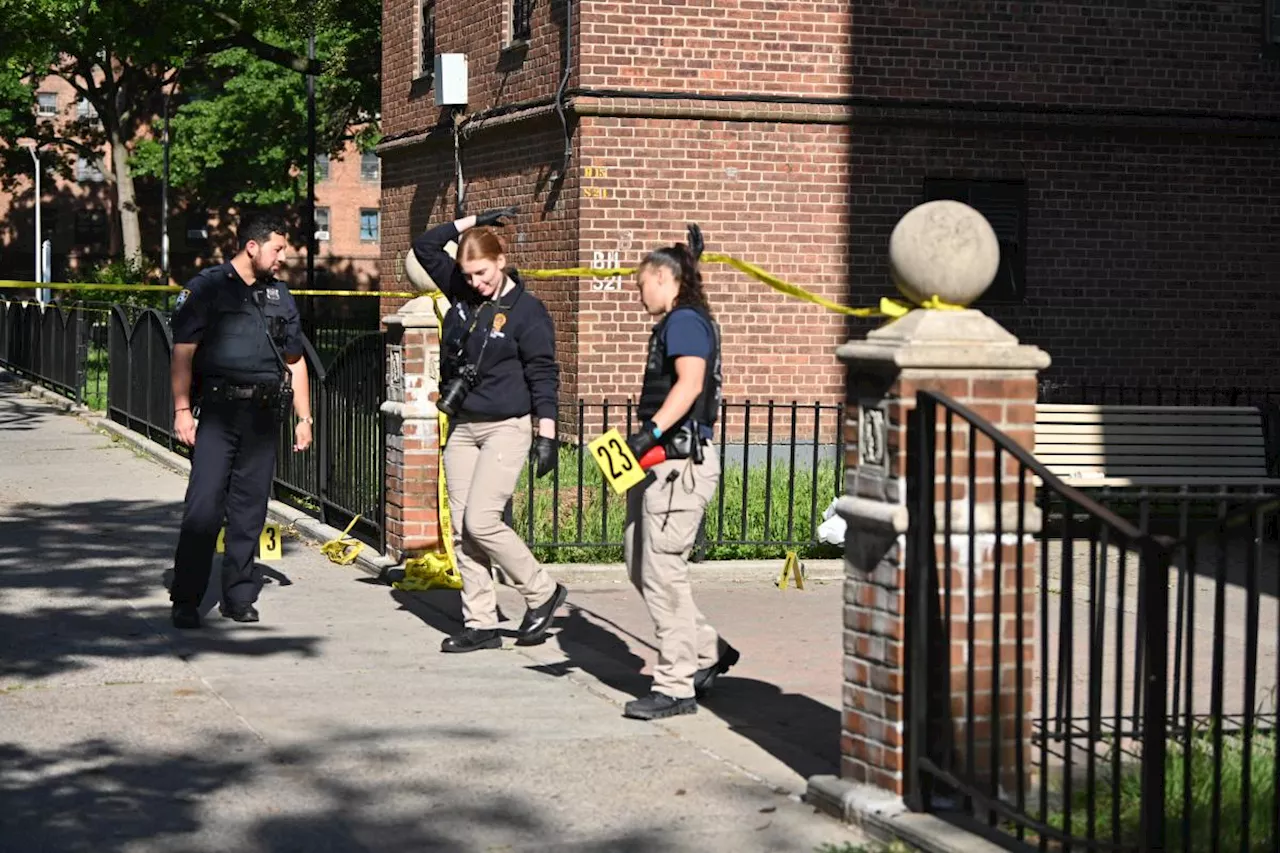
<point x="262" y="319"/>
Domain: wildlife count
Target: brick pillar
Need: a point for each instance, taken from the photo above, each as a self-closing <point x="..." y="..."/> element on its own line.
<point x="971" y="358"/>
<point x="413" y="436"/>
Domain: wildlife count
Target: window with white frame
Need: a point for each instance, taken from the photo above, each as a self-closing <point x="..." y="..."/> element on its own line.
<point x="322" y="167"/>
<point x="87" y="171"/>
<point x="322" y="223"/>
<point x="46" y="103"/>
<point x="369" y="166"/>
<point x="85" y="110"/>
<point x="369" y="225"/>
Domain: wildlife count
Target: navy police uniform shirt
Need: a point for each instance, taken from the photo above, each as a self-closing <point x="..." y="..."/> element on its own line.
<point x="230" y="321"/>
<point x="512" y="338"/>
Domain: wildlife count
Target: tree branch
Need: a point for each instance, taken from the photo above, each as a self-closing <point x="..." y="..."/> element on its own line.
<point x="241" y="37"/>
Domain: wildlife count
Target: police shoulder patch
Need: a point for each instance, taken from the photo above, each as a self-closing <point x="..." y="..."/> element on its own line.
<point x="182" y="298"/>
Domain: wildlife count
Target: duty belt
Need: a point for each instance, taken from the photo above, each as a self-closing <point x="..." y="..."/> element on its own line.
<point x="219" y="390"/>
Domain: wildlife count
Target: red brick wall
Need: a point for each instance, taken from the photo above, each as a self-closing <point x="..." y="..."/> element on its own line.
<point x="497" y="76"/>
<point x="766" y="193"/>
<point x="731" y="46"/>
<point x="1148" y="250"/>
<point x="1194" y="55"/>
<point x="1151" y="258"/>
<point x="419" y="190"/>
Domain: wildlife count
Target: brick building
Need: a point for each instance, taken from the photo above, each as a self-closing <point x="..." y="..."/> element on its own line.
<point x="1128" y="154"/>
<point x="78" y="210"/>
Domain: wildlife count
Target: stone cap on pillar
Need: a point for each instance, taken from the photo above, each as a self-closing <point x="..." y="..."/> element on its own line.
<point x="938" y="339"/>
<point x="417" y="313"/>
<point x="942" y="251"/>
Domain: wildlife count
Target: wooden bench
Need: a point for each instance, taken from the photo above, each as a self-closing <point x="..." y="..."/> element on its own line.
<point x="1096" y="446"/>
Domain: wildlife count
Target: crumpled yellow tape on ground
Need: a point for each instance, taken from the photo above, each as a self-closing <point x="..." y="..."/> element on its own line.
<point x="342" y="552"/>
<point x="439" y="569"/>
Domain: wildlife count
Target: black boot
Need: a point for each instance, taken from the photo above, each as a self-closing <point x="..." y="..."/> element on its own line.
<point x="655" y="706"/>
<point x="705" y="679"/>
<point x="185" y="616"/>
<point x="471" y="640"/>
<point x="239" y="612"/>
<point x="538" y="620"/>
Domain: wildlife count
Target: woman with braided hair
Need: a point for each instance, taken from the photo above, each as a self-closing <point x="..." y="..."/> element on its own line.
<point x="679" y="402"/>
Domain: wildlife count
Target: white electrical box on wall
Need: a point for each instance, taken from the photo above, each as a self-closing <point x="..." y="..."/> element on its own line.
<point x="451" y="79"/>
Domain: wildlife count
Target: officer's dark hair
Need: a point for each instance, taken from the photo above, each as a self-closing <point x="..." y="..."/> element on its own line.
<point x="681" y="261"/>
<point x="260" y="227"/>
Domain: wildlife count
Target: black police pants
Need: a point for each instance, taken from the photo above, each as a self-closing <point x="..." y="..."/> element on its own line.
<point x="231" y="470"/>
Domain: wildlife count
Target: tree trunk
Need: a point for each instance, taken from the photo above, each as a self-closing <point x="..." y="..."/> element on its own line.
<point x="126" y="199"/>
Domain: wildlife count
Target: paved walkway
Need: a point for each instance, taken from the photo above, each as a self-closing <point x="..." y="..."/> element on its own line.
<point x="335" y="725"/>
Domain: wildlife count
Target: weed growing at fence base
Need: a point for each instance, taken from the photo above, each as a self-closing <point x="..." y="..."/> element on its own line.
<point x="580" y="519"/>
<point x="94" y="393"/>
<point x="1259" y="776"/>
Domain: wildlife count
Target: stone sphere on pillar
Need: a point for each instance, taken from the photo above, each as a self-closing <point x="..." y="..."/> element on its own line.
<point x="945" y="249"/>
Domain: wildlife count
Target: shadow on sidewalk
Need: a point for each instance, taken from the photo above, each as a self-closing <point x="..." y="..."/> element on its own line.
<point x="113" y="794"/>
<point x="802" y="733"/>
<point x="71" y="578"/>
<point x="798" y="731"/>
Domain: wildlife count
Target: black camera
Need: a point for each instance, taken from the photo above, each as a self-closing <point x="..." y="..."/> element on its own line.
<point x="466" y="377"/>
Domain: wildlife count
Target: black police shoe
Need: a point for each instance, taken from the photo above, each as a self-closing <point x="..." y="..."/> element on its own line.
<point x="185" y="616"/>
<point x="471" y="640"/>
<point x="538" y="620"/>
<point x="705" y="679"/>
<point x="239" y="612"/>
<point x="655" y="706"/>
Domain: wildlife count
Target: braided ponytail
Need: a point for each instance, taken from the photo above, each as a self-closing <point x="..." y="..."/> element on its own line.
<point x="681" y="260"/>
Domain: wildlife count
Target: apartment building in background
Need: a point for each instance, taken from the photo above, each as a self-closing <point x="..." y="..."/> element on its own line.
<point x="78" y="215"/>
<point x="1127" y="155"/>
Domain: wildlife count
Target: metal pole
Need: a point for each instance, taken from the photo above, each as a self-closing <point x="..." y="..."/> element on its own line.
<point x="312" y="245"/>
<point x="35" y="159"/>
<point x="164" y="198"/>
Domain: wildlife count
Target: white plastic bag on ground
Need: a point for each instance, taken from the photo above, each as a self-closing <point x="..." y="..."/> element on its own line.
<point x="832" y="529"/>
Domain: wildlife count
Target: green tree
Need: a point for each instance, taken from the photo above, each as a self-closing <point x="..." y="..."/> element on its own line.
<point x="121" y="55"/>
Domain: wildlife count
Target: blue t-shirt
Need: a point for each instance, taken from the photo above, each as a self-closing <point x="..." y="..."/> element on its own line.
<point x="688" y="333"/>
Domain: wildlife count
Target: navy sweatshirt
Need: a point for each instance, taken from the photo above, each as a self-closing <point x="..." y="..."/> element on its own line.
<point x="516" y="356"/>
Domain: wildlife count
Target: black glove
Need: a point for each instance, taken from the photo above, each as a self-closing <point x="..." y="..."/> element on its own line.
<point x="643" y="441"/>
<point x="496" y="216"/>
<point x="545" y="452"/>
<point x="695" y="241"/>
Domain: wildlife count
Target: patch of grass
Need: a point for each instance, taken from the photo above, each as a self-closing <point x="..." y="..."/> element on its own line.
<point x="1258" y="776"/>
<point x="583" y="509"/>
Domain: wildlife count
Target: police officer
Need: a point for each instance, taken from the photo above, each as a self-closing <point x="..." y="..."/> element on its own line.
<point x="498" y="367"/>
<point x="678" y="406"/>
<point x="236" y="327"/>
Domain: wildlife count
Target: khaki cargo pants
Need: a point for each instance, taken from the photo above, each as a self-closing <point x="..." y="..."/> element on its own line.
<point x="482" y="462"/>
<point x="663" y="515"/>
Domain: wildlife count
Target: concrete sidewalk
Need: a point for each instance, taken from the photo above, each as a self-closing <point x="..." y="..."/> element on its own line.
<point x="335" y="724"/>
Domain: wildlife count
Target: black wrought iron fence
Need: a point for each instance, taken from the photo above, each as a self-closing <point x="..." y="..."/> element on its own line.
<point x="341" y="476"/>
<point x="782" y="466"/>
<point x="46" y="344"/>
<point x="1105" y="683"/>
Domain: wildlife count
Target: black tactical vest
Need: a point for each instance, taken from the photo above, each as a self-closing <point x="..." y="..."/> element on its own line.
<point x="235" y="346"/>
<point x="660" y="376"/>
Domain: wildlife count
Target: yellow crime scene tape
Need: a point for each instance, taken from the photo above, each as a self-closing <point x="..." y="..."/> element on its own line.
<point x="439" y="569"/>
<point x="887" y="307"/>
